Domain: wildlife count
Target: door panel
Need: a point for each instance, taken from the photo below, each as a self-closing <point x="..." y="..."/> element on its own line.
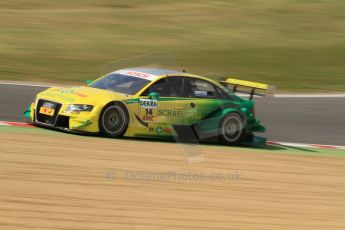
<point x="202" y="99"/>
<point x="197" y="109"/>
<point x="171" y="111"/>
<point x="167" y="109"/>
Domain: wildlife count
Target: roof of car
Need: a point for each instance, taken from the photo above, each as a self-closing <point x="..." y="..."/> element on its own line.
<point x="157" y="72"/>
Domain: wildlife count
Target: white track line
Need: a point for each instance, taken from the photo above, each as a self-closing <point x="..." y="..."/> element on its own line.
<point x="25" y="84"/>
<point x="333" y="95"/>
<point x="310" y="96"/>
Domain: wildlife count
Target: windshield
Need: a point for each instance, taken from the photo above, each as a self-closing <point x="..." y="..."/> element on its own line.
<point x="120" y="83"/>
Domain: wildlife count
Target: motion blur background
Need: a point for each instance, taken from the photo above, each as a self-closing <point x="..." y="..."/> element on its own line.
<point x="297" y="45"/>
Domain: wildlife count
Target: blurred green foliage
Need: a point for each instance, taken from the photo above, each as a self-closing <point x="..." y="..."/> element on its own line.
<point x="297" y="45"/>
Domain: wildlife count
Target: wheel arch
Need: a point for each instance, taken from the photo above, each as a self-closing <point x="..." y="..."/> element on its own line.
<point x="110" y="103"/>
<point x="209" y="126"/>
<point x="233" y="110"/>
<point x="114" y="103"/>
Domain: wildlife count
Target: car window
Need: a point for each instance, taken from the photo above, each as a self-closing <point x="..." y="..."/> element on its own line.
<point x="166" y="87"/>
<point x="120" y="83"/>
<point x="222" y="94"/>
<point x="197" y="88"/>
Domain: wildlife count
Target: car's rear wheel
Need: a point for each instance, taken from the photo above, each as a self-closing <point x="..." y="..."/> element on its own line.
<point x="113" y="121"/>
<point x="231" y="129"/>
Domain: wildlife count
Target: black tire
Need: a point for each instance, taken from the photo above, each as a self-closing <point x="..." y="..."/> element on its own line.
<point x="113" y="120"/>
<point x="231" y="130"/>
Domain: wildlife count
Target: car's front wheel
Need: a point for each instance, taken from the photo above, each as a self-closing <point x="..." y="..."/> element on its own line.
<point x="231" y="129"/>
<point x="113" y="121"/>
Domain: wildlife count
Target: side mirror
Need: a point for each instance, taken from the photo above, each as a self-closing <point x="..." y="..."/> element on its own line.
<point x="154" y="95"/>
<point x="88" y="82"/>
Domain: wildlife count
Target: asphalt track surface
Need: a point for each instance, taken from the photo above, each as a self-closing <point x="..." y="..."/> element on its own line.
<point x="315" y="120"/>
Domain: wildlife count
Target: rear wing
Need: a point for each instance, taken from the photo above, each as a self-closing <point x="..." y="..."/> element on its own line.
<point x="257" y="89"/>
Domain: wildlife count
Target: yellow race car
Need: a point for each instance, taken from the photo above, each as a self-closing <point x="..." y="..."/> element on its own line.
<point x="145" y="102"/>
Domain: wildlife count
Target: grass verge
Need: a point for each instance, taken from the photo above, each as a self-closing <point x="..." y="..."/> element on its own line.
<point x="296" y="45"/>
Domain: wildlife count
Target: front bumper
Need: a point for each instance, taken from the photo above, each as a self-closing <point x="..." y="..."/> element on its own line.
<point x="81" y="122"/>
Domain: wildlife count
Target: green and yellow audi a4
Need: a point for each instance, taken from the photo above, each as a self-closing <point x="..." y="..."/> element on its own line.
<point x="153" y="103"/>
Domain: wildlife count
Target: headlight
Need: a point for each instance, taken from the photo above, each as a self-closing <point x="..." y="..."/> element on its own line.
<point x="79" y="108"/>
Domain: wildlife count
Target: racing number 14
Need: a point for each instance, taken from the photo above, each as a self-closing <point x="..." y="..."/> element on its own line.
<point x="148" y="111"/>
<point x="148" y="116"/>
